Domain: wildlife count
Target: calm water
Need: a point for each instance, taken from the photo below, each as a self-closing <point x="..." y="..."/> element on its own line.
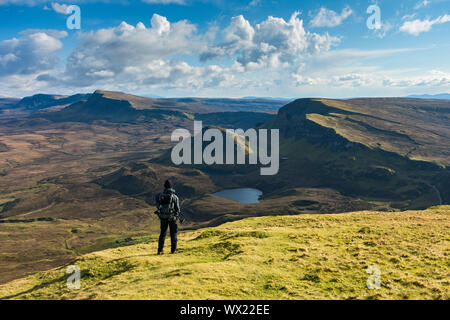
<point x="242" y="195"/>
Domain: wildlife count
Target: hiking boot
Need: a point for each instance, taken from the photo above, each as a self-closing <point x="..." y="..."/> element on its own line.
<point x="174" y="252"/>
<point x="160" y="253"/>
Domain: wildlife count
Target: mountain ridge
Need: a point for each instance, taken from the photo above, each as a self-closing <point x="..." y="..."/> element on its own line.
<point x="403" y="128"/>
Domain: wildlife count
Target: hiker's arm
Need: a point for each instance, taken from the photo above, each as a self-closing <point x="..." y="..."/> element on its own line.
<point x="177" y="206"/>
<point x="157" y="204"/>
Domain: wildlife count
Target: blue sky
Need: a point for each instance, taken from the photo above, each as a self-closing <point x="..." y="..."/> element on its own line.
<point x="226" y="48"/>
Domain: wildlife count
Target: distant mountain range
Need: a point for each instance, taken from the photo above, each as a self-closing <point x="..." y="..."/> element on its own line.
<point x="44" y="101"/>
<point x="269" y="98"/>
<point x="14" y="108"/>
<point x="441" y="96"/>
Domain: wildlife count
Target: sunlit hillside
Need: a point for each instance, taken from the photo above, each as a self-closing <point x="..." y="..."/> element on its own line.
<point x="282" y="257"/>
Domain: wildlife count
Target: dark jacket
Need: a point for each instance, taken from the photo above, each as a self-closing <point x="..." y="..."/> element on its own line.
<point x="176" y="206"/>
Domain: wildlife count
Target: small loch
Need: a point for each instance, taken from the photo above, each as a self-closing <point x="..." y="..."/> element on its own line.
<point x="241" y="195"/>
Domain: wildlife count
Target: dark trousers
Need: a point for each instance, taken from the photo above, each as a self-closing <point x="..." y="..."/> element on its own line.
<point x="172" y="224"/>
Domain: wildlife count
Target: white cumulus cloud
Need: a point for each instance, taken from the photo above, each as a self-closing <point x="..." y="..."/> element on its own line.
<point x="114" y="52"/>
<point x="274" y="42"/>
<point x="416" y="27"/>
<point x="31" y="53"/>
<point x="60" y="8"/>
<point x="434" y="78"/>
<point x="330" y="18"/>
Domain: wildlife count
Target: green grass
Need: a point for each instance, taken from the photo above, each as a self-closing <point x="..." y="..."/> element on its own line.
<point x="284" y="257"/>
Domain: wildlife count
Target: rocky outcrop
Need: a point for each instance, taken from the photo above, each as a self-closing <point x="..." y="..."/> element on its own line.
<point x="293" y="123"/>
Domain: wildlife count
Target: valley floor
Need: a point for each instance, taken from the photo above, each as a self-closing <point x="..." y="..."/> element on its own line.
<point x="282" y="257"/>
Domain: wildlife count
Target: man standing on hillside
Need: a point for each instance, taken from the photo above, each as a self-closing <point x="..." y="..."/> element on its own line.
<point x="168" y="212"/>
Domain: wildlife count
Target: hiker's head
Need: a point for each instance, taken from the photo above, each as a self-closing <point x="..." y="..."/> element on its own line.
<point x="168" y="184"/>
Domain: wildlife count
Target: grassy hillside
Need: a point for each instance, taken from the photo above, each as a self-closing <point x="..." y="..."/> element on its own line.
<point x="284" y="257"/>
<point x="367" y="148"/>
<point x="412" y="128"/>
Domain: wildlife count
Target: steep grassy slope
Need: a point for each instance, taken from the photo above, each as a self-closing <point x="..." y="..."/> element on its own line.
<point x="414" y="128"/>
<point x="284" y="257"/>
<point x="394" y="149"/>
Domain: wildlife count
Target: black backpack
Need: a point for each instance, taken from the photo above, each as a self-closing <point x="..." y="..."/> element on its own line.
<point x="166" y="204"/>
